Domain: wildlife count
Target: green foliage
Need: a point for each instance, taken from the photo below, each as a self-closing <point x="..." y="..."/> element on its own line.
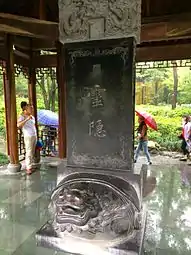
<point x="153" y="75"/>
<point x="3" y="159"/>
<point x="159" y="83"/>
<point x="2" y="118"/>
<point x="169" y="125"/>
<point x="21" y="84"/>
<point x="184" y="92"/>
<point x="160" y="89"/>
<point x="47" y="89"/>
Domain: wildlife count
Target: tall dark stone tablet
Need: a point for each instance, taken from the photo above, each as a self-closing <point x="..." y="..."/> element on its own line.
<point x="100" y="103"/>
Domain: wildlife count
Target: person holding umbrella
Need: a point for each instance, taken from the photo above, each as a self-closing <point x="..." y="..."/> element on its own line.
<point x="48" y="119"/>
<point x="144" y="119"/>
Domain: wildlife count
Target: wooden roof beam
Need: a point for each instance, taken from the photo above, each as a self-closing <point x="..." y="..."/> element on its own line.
<point x="34" y="27"/>
<point x="160" y="53"/>
<point x="37" y="44"/>
<point x="153" y="29"/>
<point x="165" y="31"/>
<point x="7" y="29"/>
<point x="19" y="59"/>
<point x="166" y="18"/>
<point x="166" y="27"/>
<point x="166" y="52"/>
<point x="45" y="61"/>
<point x="21" y="54"/>
<point x="44" y="33"/>
<point x="154" y="53"/>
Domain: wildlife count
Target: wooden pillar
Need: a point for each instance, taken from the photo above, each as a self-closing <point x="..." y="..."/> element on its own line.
<point x="42" y="10"/>
<point x="6" y="100"/>
<point x="32" y="87"/>
<point x="61" y="102"/>
<point x="11" y="103"/>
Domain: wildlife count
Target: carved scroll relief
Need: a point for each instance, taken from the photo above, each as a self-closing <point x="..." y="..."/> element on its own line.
<point x="83" y="20"/>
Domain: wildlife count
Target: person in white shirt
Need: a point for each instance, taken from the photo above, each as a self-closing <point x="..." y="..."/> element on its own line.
<point x="27" y="123"/>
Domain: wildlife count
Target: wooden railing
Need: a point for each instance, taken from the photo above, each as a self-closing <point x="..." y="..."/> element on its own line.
<point x="21" y="145"/>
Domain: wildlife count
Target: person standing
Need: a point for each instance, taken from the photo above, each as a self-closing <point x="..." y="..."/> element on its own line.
<point x="49" y="135"/>
<point x="185" y="136"/>
<point x="143" y="140"/>
<point x="27" y="123"/>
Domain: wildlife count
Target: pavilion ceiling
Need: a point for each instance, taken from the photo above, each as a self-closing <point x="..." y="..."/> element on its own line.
<point x="166" y="27"/>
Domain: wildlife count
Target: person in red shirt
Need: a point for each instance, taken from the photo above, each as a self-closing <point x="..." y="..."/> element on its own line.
<point x="143" y="140"/>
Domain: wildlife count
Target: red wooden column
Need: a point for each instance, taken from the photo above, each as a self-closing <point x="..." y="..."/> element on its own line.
<point x="6" y="100"/>
<point x="11" y="107"/>
<point x="32" y="86"/>
<point x="42" y="10"/>
<point x="61" y="102"/>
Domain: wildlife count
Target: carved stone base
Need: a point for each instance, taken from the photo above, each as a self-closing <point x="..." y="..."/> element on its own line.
<point x="14" y="168"/>
<point x="47" y="237"/>
<point x="96" y="209"/>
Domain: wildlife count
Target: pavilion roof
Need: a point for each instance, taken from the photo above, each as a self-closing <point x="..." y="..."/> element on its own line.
<point x="165" y="24"/>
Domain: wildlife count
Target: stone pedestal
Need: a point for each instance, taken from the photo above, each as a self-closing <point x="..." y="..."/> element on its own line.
<point x="96" y="209"/>
<point x="14" y="168"/>
<point x="98" y="206"/>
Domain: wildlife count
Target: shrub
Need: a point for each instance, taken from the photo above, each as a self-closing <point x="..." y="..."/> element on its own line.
<point x="169" y="125"/>
<point x="3" y="159"/>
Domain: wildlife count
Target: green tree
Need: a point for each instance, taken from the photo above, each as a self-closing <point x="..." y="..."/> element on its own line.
<point x="158" y="78"/>
<point x="21" y="83"/>
<point x="48" y="89"/>
<point x="175" y="89"/>
<point x="184" y="91"/>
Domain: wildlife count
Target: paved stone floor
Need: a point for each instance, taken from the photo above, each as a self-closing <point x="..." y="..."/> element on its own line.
<point x="24" y="201"/>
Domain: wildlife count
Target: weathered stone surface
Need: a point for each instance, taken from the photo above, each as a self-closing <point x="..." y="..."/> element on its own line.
<point x="82" y="20"/>
<point x="14" y="168"/>
<point x="100" y="101"/>
<point x="96" y="208"/>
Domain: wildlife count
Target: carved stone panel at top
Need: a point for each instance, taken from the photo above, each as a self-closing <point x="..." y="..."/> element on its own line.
<point x="82" y="20"/>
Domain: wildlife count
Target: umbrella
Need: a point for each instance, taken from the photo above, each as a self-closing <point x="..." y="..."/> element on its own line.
<point x="47" y="118"/>
<point x="149" y="120"/>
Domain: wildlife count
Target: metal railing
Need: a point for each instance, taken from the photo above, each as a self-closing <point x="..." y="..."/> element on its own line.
<point x="49" y="138"/>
